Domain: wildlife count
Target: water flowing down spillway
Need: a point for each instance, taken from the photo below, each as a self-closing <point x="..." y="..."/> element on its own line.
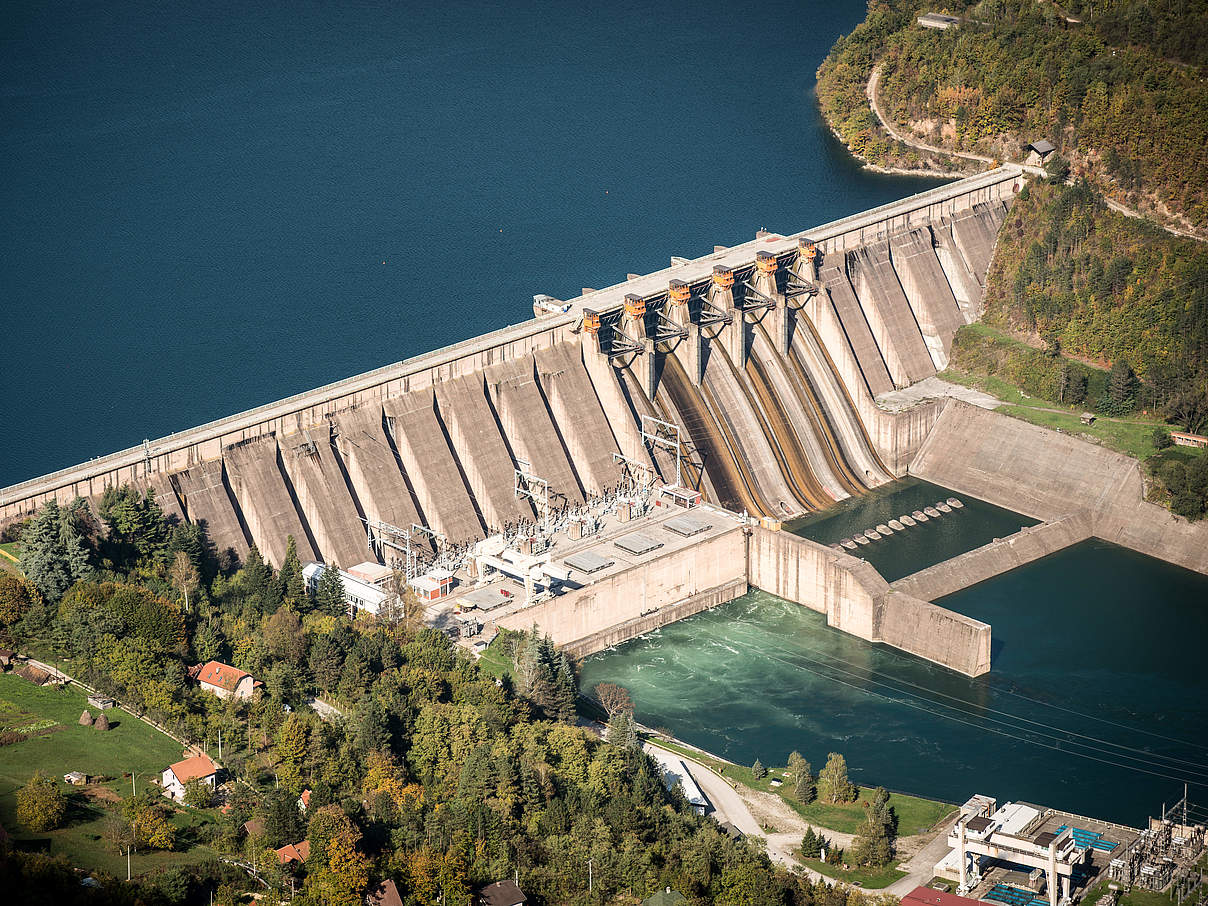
<point x="1097" y="702"/>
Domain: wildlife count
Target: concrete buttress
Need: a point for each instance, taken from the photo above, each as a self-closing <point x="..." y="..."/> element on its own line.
<point x="373" y="468"/>
<point x="481" y="449"/>
<point x="435" y="474"/>
<point x="266" y="500"/>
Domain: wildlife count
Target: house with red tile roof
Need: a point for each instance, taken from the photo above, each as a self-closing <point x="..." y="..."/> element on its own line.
<point x="294" y="852"/>
<point x="224" y="680"/>
<point x="199" y="767"/>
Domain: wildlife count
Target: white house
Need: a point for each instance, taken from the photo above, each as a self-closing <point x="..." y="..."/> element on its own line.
<point x="199" y="767"/>
<point x="358" y="594"/>
<point x="224" y="680"/>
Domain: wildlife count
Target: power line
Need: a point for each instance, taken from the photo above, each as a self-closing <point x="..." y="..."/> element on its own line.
<point x="910" y="659"/>
<point x="953" y="717"/>
<point x="1195" y="765"/>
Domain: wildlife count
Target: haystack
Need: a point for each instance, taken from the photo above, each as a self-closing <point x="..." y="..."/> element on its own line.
<point x="102" y="723"/>
<point x="86" y="719"/>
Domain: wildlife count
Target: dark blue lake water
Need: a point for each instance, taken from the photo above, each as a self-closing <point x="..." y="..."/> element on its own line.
<point x="209" y="206"/>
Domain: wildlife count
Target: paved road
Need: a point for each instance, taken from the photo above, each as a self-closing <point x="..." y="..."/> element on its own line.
<point x="874" y="82"/>
<point x="729" y="806"/>
<point x="325" y="711"/>
<point x="921" y="867"/>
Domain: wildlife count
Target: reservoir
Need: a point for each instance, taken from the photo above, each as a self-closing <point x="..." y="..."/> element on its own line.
<point x="1097" y="701"/>
<point x="209" y="207"/>
<point x="929" y="541"/>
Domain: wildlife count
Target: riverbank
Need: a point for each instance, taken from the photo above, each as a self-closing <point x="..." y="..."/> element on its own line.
<point x="763" y="807"/>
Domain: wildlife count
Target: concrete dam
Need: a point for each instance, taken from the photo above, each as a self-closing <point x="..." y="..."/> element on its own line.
<point x="762" y="361"/>
<point x="743" y="383"/>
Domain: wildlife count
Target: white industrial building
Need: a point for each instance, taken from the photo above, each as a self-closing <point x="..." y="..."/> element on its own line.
<point x="359" y="594"/>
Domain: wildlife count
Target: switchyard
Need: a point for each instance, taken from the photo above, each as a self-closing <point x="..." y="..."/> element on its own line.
<point x="1020" y="854"/>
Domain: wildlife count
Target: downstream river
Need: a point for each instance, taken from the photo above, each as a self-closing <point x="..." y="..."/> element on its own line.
<point x="211" y="206"/>
<point x="1097" y="701"/>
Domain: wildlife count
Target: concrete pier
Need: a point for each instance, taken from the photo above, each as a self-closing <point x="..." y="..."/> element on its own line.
<point x="330" y="512"/>
<point x="484" y="457"/>
<point x="374" y="469"/>
<point x="926" y="289"/>
<point x="207" y="501"/>
<point x="889" y="314"/>
<point x="529" y="429"/>
<point x="850" y="328"/>
<point x="435" y="475"/>
<point x="266" y="501"/>
<point x="581" y="420"/>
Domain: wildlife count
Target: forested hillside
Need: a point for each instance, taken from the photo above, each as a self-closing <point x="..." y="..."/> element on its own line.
<point x="1106" y="288"/>
<point x="438" y="776"/>
<point x="1132" y="121"/>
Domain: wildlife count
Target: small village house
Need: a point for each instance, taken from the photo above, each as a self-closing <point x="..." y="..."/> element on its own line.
<point x="304" y="800"/>
<point x="501" y="893"/>
<point x="384" y="894"/>
<point x="224" y="680"/>
<point x="292" y="853"/>
<point x="199" y="767"/>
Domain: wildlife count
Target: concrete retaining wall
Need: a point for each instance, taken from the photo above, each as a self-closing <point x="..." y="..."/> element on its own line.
<point x="1047" y="475"/>
<point x="935" y="634"/>
<point x="856" y="599"/>
<point x="678" y="576"/>
<point x="996" y="558"/>
<point x="641" y="625"/>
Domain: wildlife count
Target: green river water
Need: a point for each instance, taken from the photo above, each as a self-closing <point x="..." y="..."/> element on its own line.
<point x="1097" y="701"/>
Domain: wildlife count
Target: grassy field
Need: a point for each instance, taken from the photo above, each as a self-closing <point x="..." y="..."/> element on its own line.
<point x="1133" y="436"/>
<point x="870" y="878"/>
<point x="915" y="815"/>
<point x="495" y="660"/>
<point x="58" y="745"/>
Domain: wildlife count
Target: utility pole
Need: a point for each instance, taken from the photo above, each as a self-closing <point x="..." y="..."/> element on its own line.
<point x="128" y="848"/>
<point x="133" y="791"/>
<point x="220" y="745"/>
<point x="589" y="876"/>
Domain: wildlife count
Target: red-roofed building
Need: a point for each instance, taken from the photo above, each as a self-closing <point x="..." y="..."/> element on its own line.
<point x="304" y="800"/>
<point x="199" y="767"/>
<point x="384" y="894"/>
<point x="929" y="896"/>
<point x="224" y="680"/>
<point x="293" y="852"/>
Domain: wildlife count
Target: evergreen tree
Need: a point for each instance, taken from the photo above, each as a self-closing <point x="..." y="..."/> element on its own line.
<point x="329" y="592"/>
<point x="1122" y="386"/>
<point x="293" y="589"/>
<point x="811" y="844"/>
<point x="622" y="731"/>
<point x="208" y="643"/>
<point x="882" y="812"/>
<point x="566" y="691"/>
<point x="42" y="555"/>
<point x="256" y="574"/>
<point x="872" y="848"/>
<point x="326" y="662"/>
<point x="758" y="771"/>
